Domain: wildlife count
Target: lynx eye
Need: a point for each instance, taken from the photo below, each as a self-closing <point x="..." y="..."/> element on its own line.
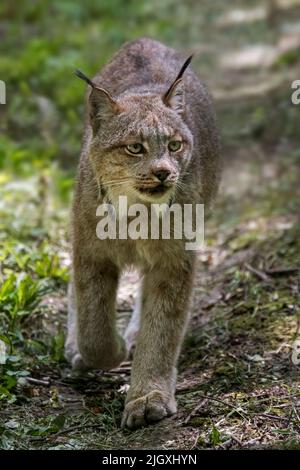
<point x="175" y="145"/>
<point x="134" y="149"/>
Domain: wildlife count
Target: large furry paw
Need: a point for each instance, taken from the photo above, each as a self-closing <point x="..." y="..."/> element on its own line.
<point x="78" y="364"/>
<point x="105" y="357"/>
<point x="89" y="359"/>
<point x="148" y="409"/>
<point x="74" y="358"/>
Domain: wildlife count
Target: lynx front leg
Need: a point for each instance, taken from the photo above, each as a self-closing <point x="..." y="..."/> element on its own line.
<point x="71" y="345"/>
<point x="164" y="317"/>
<point x="99" y="344"/>
<point x="132" y="329"/>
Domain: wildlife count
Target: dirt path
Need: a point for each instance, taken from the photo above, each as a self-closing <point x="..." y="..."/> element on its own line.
<point x="238" y="383"/>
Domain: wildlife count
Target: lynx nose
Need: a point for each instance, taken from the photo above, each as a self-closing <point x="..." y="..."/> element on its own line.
<point x="162" y="175"/>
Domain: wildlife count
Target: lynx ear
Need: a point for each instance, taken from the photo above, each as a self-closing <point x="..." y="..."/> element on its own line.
<point x="102" y="104"/>
<point x="174" y="97"/>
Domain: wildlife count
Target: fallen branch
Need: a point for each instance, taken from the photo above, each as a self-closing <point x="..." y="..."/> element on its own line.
<point x="270" y="416"/>
<point x="65" y="431"/>
<point x="260" y="274"/>
<point x="275" y="271"/>
<point x="195" y="411"/>
<point x="229" y="405"/>
<point x="235" y="439"/>
<point x="34" y="381"/>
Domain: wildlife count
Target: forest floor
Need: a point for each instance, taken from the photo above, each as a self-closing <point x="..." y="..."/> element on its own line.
<point x="238" y="382"/>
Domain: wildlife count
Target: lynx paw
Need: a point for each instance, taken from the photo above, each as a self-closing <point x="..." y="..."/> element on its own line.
<point x="106" y="357"/>
<point x="78" y="364"/>
<point x="74" y="358"/>
<point x="148" y="409"/>
<point x="91" y="359"/>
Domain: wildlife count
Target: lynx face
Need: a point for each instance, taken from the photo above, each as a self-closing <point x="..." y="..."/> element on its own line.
<point x="141" y="144"/>
<point x="142" y="150"/>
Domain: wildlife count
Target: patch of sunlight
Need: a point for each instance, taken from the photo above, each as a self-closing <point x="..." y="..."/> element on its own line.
<point x="239" y="16"/>
<point x="285" y="4"/>
<point x="250" y="57"/>
<point x="4" y="178"/>
<point x="27" y="186"/>
<point x="288" y="43"/>
<point x="254" y="90"/>
<point x="290" y="38"/>
<point x="291" y="28"/>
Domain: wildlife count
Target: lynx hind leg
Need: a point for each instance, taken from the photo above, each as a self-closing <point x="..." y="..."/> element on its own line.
<point x="71" y="347"/>
<point x="132" y="329"/>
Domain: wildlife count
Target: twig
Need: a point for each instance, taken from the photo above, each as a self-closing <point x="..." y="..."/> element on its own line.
<point x="195" y="441"/>
<point x="296" y="412"/>
<point x="219" y="401"/>
<point x="284" y="397"/>
<point x="38" y="381"/>
<point x="275" y="271"/>
<point x="260" y="274"/>
<point x="67" y="430"/>
<point x="77" y="428"/>
<point x="252" y="441"/>
<point x="114" y="372"/>
<point x="120" y="370"/>
<point x="235" y="439"/>
<point x="195" y="411"/>
<point x="267" y="415"/>
<point x="234" y="408"/>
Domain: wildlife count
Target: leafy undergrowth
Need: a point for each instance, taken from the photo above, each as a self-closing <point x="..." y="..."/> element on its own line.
<point x="238" y="383"/>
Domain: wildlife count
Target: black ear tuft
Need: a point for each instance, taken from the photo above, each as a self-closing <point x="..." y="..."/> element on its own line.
<point x="102" y="104"/>
<point x="179" y="76"/>
<point x="81" y="75"/>
<point x="184" y="67"/>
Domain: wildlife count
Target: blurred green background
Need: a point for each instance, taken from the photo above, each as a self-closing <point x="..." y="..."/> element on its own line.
<point x="248" y="54"/>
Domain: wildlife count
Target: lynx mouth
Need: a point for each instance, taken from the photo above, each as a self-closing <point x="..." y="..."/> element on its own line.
<point x="156" y="190"/>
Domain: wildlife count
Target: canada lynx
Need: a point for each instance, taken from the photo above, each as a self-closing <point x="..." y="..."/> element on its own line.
<point x="150" y="135"/>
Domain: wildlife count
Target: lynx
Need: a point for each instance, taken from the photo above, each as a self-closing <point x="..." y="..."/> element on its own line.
<point x="150" y="134"/>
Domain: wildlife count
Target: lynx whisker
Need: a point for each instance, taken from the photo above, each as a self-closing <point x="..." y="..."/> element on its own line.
<point x="115" y="181"/>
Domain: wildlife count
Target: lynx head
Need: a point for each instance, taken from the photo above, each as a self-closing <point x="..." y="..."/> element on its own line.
<point x="141" y="145"/>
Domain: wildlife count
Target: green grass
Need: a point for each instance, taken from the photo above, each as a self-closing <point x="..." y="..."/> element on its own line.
<point x="237" y="353"/>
